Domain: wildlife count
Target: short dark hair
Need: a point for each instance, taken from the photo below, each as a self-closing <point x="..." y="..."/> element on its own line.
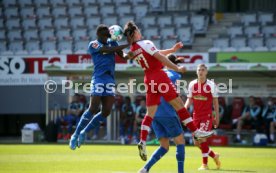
<point x="101" y="27"/>
<point x="127" y="98"/>
<point x="173" y="58"/>
<point x="130" y="28"/>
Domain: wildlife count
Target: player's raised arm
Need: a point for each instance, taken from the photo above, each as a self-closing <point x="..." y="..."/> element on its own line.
<point x="173" y="49"/>
<point x="166" y="62"/>
<point x="125" y="56"/>
<point x="107" y="49"/>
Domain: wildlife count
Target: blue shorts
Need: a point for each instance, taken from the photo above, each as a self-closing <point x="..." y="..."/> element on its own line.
<point x="103" y="86"/>
<point x="166" y="127"/>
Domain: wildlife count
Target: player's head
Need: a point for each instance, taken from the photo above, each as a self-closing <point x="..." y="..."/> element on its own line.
<point x="201" y="71"/>
<point x="143" y="103"/>
<point x="127" y="100"/>
<point x="132" y="32"/>
<point x="252" y="100"/>
<point x="103" y="33"/>
<point x="174" y="59"/>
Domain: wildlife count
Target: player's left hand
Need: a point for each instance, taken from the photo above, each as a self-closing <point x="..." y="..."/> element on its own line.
<point x="216" y="122"/>
<point x="130" y="55"/>
<point x="177" y="46"/>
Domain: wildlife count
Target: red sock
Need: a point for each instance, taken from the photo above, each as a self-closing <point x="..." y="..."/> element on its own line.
<point x="204" y="150"/>
<point x="186" y="119"/>
<point x="211" y="153"/>
<point x="145" y="128"/>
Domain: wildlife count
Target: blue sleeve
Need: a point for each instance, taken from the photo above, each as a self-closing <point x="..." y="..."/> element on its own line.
<point x="264" y="111"/>
<point x="94" y="47"/>
<point x="114" y="43"/>
<point x="123" y="108"/>
<point x="133" y="107"/>
<point x="138" y="109"/>
<point x="176" y="76"/>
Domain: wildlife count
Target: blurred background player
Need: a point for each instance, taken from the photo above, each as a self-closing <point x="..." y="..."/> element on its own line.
<point x="102" y="84"/>
<point x="152" y="61"/>
<point x="269" y="116"/>
<point x="202" y="93"/>
<point x="127" y="118"/>
<point x="66" y="122"/>
<point x="140" y="114"/>
<point x="166" y="125"/>
<point x="251" y="116"/>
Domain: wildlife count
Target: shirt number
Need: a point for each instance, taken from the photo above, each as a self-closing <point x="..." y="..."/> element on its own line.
<point x="139" y="60"/>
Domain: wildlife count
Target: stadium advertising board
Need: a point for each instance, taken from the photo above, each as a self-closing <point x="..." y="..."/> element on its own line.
<point x="26" y="70"/>
<point x="194" y="57"/>
<point x="245" y="57"/>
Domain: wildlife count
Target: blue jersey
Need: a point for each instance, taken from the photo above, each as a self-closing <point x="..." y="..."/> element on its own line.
<point x="165" y="109"/>
<point x="103" y="82"/>
<point x="104" y="63"/>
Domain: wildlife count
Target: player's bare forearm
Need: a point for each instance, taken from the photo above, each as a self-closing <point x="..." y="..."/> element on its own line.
<point x="166" y="51"/>
<point x="165" y="61"/>
<point x="106" y="49"/>
<point x="121" y="55"/>
<point x="125" y="56"/>
<point x="188" y="103"/>
<point x="172" y="50"/>
<point x="216" y="109"/>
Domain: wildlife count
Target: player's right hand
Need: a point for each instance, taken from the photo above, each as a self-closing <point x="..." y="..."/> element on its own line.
<point x="130" y="55"/>
<point x="177" y="46"/>
<point x="181" y="69"/>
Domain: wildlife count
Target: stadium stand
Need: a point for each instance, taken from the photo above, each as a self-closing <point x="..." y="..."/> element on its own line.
<point x="255" y="31"/>
<point x="47" y="19"/>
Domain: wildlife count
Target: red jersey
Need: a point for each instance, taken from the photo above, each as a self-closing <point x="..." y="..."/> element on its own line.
<point x="143" y="53"/>
<point x="202" y="96"/>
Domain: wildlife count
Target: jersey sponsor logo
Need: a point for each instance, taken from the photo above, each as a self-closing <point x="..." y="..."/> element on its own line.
<point x="200" y="97"/>
<point x="141" y="60"/>
<point x="138" y="51"/>
<point x="95" y="45"/>
<point x="204" y="125"/>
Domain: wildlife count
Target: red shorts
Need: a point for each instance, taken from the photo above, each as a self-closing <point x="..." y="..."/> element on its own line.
<point x="159" y="84"/>
<point x="204" y="124"/>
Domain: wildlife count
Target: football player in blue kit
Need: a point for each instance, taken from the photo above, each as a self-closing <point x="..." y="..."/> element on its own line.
<point x="166" y="125"/>
<point x="103" y="52"/>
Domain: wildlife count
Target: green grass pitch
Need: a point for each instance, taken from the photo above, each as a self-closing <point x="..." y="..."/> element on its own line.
<point x="125" y="159"/>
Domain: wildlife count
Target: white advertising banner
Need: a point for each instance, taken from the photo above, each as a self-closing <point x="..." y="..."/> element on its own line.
<point x="26" y="70"/>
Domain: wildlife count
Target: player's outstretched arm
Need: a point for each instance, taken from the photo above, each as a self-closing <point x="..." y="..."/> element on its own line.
<point x="125" y="56"/>
<point x="166" y="62"/>
<point x="175" y="48"/>
<point x="106" y="49"/>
